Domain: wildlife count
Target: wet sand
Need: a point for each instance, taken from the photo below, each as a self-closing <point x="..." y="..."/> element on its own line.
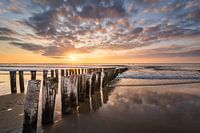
<point x="119" y="109"/>
<point x="11" y="112"/>
<point x="153" y="109"/>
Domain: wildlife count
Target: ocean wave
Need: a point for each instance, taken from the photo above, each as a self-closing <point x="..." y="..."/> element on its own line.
<point x="160" y="84"/>
<point x="170" y="68"/>
<point x="160" y="75"/>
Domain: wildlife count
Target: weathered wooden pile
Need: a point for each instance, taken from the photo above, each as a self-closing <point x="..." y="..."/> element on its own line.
<point x="77" y="85"/>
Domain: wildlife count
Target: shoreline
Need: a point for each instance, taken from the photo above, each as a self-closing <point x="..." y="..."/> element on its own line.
<point x="105" y="117"/>
<point x="140" y="109"/>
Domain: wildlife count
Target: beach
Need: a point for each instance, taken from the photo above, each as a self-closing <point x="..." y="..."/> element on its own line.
<point x="11" y="112"/>
<point x="125" y="105"/>
<point x="128" y="109"/>
<point x="99" y="66"/>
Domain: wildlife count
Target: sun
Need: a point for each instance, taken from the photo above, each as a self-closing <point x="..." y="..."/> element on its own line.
<point x="73" y="58"/>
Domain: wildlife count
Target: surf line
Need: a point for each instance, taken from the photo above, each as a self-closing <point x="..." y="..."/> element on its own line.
<point x="191" y="82"/>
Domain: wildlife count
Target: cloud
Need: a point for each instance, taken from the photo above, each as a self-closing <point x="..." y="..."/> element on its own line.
<point x="194" y="15"/>
<point x="7" y="35"/>
<point x="166" y="51"/>
<point x="4" y="38"/>
<point x="104" y="10"/>
<point x="51" y="50"/>
<point x="153" y="100"/>
<point x="137" y="30"/>
<point x="28" y="46"/>
<point x="16" y="9"/>
<point x="6" y="31"/>
<point x="64" y="26"/>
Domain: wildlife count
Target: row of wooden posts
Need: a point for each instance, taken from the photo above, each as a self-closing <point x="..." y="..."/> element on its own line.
<point x="76" y="86"/>
<point x="13" y="84"/>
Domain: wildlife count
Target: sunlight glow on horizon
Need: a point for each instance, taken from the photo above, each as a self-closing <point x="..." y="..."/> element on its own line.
<point x="99" y="31"/>
<point x="72" y="58"/>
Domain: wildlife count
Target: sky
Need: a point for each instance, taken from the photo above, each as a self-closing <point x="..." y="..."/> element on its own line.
<point x="99" y="31"/>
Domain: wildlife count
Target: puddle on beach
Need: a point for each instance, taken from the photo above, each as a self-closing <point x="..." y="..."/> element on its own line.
<point x="144" y="109"/>
<point x="118" y="109"/>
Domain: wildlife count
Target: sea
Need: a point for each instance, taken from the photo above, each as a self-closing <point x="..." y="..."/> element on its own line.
<point x="147" y="98"/>
<point x="145" y="74"/>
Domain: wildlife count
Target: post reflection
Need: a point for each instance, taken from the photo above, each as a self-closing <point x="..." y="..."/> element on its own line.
<point x="90" y="94"/>
<point x="94" y="102"/>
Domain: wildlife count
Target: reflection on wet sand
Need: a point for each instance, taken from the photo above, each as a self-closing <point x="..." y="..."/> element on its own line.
<point x="139" y="109"/>
<point x="93" y="102"/>
<point x="157" y="109"/>
<point x="73" y="121"/>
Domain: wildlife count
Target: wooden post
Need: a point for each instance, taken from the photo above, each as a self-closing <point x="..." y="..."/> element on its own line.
<point x="81" y="88"/>
<point x="80" y="71"/>
<point x="48" y="101"/>
<point x="56" y="73"/>
<point x="45" y="73"/>
<point x="52" y="73"/>
<point x="33" y="75"/>
<point x="67" y="72"/>
<point x="96" y="101"/>
<point x="65" y="95"/>
<point x="84" y="70"/>
<point x="104" y="79"/>
<point x="87" y="84"/>
<point x="62" y="73"/>
<point x="13" y="85"/>
<point x="71" y="72"/>
<point x="21" y="81"/>
<point x="115" y="72"/>
<point x="68" y="93"/>
<point x="74" y="89"/>
<point x="93" y="82"/>
<point x="31" y="107"/>
<point x="74" y="71"/>
<point x="77" y="71"/>
<point x="90" y="70"/>
<point x="98" y="80"/>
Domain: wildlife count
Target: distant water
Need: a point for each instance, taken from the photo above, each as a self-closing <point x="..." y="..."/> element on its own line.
<point x="170" y="72"/>
<point x="163" y="71"/>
